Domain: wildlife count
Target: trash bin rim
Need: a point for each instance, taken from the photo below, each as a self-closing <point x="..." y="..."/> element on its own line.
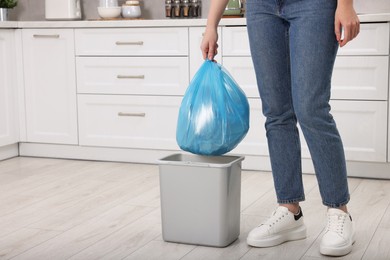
<point x="165" y="161"/>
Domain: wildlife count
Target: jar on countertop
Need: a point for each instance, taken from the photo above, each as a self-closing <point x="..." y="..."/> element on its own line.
<point x="168" y="8"/>
<point x="185" y="6"/>
<point x="131" y="9"/>
<point x="195" y="8"/>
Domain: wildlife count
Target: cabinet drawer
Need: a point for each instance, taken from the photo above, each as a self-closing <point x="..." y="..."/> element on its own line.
<point x="373" y="39"/>
<point x="364" y="78"/>
<point x="125" y="75"/>
<point x="363" y="129"/>
<point x="360" y="78"/>
<point x="128" y="121"/>
<point x="241" y="68"/>
<point x="132" y="42"/>
<point x="235" y="41"/>
<point x="362" y="126"/>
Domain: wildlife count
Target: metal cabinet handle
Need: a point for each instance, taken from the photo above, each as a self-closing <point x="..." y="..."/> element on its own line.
<point x="131" y="114"/>
<point x="130" y="43"/>
<point x="130" y="76"/>
<point x="46" y="35"/>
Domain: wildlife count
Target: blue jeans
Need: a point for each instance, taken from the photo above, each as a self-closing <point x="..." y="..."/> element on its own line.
<point x="293" y="47"/>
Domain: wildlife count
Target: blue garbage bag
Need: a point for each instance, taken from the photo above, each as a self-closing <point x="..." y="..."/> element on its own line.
<point x="214" y="113"/>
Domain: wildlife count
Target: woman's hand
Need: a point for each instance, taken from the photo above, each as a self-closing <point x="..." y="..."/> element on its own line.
<point x="346" y="19"/>
<point x="209" y="44"/>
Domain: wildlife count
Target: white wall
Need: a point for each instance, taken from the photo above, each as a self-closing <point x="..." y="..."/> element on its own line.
<point x="32" y="10"/>
<point x="35" y="9"/>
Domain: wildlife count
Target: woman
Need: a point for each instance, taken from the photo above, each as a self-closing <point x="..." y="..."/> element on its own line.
<point x="293" y="45"/>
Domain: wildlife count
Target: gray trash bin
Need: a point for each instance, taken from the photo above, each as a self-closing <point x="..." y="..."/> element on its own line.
<point x="200" y="199"/>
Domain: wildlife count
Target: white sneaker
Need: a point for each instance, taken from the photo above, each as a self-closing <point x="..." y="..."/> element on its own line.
<point x="282" y="226"/>
<point x="339" y="234"/>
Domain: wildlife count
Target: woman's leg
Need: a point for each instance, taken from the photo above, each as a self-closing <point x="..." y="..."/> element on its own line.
<point x="313" y="48"/>
<point x="269" y="43"/>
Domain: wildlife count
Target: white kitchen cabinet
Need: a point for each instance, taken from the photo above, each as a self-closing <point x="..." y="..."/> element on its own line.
<point x="360" y="78"/>
<point x="362" y="126"/>
<point x="195" y="40"/>
<point x="255" y="142"/>
<point x="388" y="133"/>
<point x="130" y="86"/>
<point x="363" y="129"/>
<point x="130" y="83"/>
<point x="241" y="69"/>
<point x="147" y="122"/>
<point x="373" y="39"/>
<point x="50" y="85"/>
<point x="360" y="86"/>
<point x="8" y="86"/>
<point x="132" y="75"/>
<point x="170" y="41"/>
<point x="235" y="41"/>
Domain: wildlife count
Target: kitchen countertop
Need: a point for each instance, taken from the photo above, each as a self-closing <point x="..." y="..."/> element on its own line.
<point x="380" y="17"/>
<point x="9" y="24"/>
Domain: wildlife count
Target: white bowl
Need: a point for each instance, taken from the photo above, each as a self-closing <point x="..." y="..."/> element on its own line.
<point x="109" y="12"/>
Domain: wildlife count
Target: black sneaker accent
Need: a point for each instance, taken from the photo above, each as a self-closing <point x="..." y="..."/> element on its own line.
<point x="298" y="215"/>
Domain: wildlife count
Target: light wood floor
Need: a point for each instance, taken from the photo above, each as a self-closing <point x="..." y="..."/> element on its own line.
<point x="67" y="209"/>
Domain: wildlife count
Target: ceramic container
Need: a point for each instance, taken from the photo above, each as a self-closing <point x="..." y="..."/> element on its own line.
<point x="109" y="12"/>
<point x="131" y="9"/>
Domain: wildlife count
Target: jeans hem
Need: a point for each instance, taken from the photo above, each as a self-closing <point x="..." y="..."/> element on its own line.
<point x="291" y="201"/>
<point x="336" y="205"/>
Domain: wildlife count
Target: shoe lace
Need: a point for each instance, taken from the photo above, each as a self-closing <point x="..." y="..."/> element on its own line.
<point x="276" y="217"/>
<point x="336" y="223"/>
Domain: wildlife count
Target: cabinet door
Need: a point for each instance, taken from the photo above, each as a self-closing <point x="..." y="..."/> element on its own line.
<point x="235" y="41"/>
<point x="128" y="121"/>
<point x="50" y="85"/>
<point x="241" y="69"/>
<point x="363" y="129"/>
<point x="196" y="58"/>
<point x="360" y="77"/>
<point x="8" y="114"/>
<point x="373" y="39"/>
<point x="255" y="142"/>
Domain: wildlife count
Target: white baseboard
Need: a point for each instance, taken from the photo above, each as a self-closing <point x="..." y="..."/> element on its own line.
<point x="9" y="151"/>
<point x="251" y="162"/>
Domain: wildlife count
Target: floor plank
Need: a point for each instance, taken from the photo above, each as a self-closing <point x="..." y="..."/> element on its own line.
<point x="70" y="209"/>
<point x="158" y="250"/>
<point x="369" y="202"/>
<point x="86" y="234"/>
<point x="23" y="240"/>
<point x="379" y="245"/>
<point x="125" y="241"/>
<point x="94" y="205"/>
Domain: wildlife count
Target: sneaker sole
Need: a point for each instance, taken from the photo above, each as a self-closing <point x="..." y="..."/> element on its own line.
<point x="293" y="234"/>
<point x="336" y="251"/>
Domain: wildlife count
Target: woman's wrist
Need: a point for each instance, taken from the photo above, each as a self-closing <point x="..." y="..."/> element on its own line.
<point x="345" y="3"/>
